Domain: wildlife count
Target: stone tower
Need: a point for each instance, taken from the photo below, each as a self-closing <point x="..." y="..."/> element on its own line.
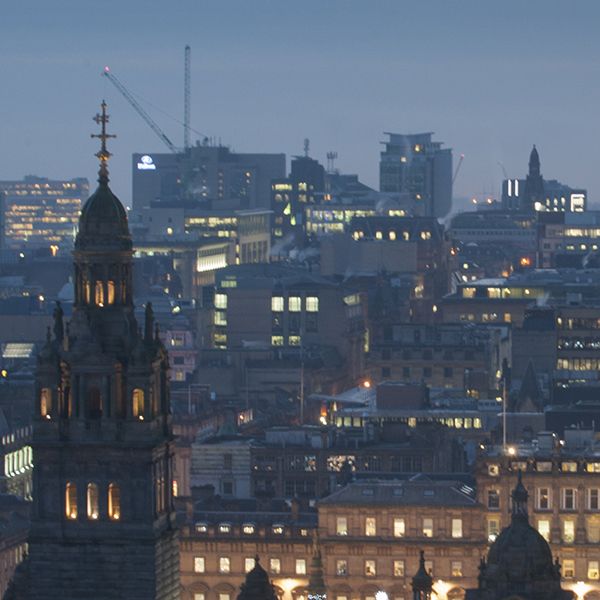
<point x="103" y="523"/>
<point x="534" y="184"/>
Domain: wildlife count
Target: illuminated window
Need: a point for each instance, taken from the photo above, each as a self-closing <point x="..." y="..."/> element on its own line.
<point x="224" y="528"/>
<point x="457" y="530"/>
<point x="277" y="304"/>
<point x="294" y="304"/>
<point x="46" y="402"/>
<point x="201" y="527"/>
<point x="276" y="340"/>
<point x="493" y="470"/>
<point x="378" y="235"/>
<point x="493" y="529"/>
<point x="220" y="318"/>
<point x="593" y="572"/>
<point x="392" y="235"/>
<point x="71" y="501"/>
<point x="99" y="294"/>
<point x="248" y="529"/>
<point x="456" y="569"/>
<point x="342" y="526"/>
<point x="425" y="235"/>
<point x="568" y="569"/>
<point x="399" y="528"/>
<point x="341" y="567"/>
<point x="111" y="292"/>
<point x="275" y="565"/>
<point x="544" y="466"/>
<point x="398" y="568"/>
<point x="312" y="304"/>
<point x="221" y="301"/>
<point x="370" y="526"/>
<point x="569" y="532"/>
<point x="543" y="498"/>
<point x="114" y="502"/>
<point x="300" y="566"/>
<point x="569" y="467"/>
<point x="199" y="564"/>
<point x="295" y="340"/>
<point x="427" y="527"/>
<point x="249" y="564"/>
<point x="370" y="568"/>
<point x="138" y="404"/>
<point x="224" y="564"/>
<point x="92" y="501"/>
<point x="278" y="529"/>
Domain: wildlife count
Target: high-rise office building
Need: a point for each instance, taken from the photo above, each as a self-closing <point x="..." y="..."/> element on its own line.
<point x="214" y="176"/>
<point x="420" y="171"/>
<point x="39" y="212"/>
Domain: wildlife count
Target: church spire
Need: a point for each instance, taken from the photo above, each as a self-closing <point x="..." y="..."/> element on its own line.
<point x="103" y="154"/>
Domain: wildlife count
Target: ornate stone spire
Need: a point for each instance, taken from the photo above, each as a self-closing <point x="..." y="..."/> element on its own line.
<point x="519" y="499"/>
<point x="422" y="582"/>
<point x="104" y="154"/>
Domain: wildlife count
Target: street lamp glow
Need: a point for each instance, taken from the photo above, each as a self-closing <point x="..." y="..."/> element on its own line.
<point x="381" y="595"/>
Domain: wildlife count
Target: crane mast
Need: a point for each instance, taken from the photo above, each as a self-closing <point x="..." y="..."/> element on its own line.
<point x="186" y="99"/>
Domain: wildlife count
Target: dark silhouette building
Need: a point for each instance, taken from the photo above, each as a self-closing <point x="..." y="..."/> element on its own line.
<point x="102" y="522"/>
<point x="519" y="563"/>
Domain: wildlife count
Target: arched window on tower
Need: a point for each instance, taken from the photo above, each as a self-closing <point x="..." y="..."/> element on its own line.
<point x="94" y="403"/>
<point x="71" y="501"/>
<point x="99" y="294"/>
<point x="111" y="292"/>
<point x="114" y="502"/>
<point x="92" y="501"/>
<point x="138" y="404"/>
<point x="46" y="403"/>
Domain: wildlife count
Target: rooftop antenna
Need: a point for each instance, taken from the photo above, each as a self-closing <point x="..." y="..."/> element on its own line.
<point x="331" y="156"/>
<point x="186" y="100"/>
<point x="306" y="147"/>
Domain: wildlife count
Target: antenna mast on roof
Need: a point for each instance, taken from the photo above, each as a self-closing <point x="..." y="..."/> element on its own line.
<point x="306" y="147"/>
<point x="331" y="156"/>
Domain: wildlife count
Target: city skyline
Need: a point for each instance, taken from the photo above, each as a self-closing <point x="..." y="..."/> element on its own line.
<point x="490" y="81"/>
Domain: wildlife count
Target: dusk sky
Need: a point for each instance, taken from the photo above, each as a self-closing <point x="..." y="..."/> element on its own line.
<point x="489" y="78"/>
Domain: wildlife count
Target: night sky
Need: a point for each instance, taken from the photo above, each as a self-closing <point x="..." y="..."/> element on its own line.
<point x="489" y="78"/>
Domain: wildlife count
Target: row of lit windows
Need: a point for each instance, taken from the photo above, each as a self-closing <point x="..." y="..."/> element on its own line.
<point x="224" y="565"/>
<point x="93" y="510"/>
<point x="247" y="528"/>
<point x="295" y="304"/>
<point x="16" y="463"/>
<point x="578" y="364"/>
<point x="279" y="340"/>
<point x="543" y="498"/>
<point x="370" y="526"/>
<point x="578" y="323"/>
<point x="94" y="403"/>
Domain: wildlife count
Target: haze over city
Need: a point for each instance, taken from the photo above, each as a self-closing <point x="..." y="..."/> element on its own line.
<point x="490" y="79"/>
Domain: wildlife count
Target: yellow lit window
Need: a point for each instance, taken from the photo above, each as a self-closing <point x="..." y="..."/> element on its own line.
<point x="114" y="502"/>
<point x="295" y="340"/>
<point x="276" y="340"/>
<point x="370" y="526"/>
<point x="99" y="294"/>
<point x="300" y="566"/>
<point x="71" y="501"/>
<point x="92" y="501"/>
<point x="46" y="402"/>
<point x="138" y="404"/>
<point x="249" y="564"/>
<point x="199" y="564"/>
<point x="398" y="568"/>
<point x="111" y="292"/>
<point x="399" y="528"/>
<point x="224" y="564"/>
<point x="342" y="526"/>
<point x="221" y="301"/>
<point x="457" y="531"/>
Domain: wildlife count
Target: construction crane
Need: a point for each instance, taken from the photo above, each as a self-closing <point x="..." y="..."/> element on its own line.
<point x="503" y="170"/>
<point x="142" y="112"/>
<point x="186" y="99"/>
<point x="458" y="168"/>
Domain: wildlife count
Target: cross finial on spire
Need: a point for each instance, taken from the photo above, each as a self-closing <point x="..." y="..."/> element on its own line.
<point x="104" y="154"/>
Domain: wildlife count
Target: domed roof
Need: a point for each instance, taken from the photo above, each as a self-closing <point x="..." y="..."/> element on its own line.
<point x="103" y="221"/>
<point x="520" y="560"/>
<point x="257" y="585"/>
